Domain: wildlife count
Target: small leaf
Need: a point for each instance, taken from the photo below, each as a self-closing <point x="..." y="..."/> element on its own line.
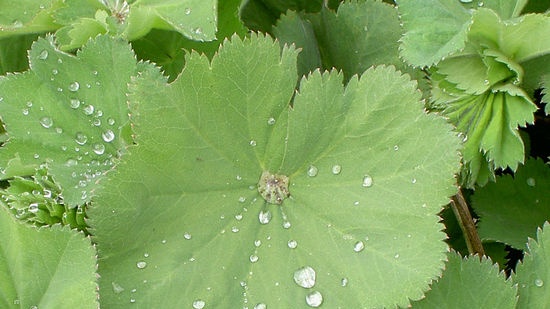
<point x="533" y="275"/>
<point x="512" y="208"/>
<point x="472" y="284"/>
<point x="210" y="207"/>
<point x="434" y="30"/>
<point x="75" y="119"/>
<point x="46" y="267"/>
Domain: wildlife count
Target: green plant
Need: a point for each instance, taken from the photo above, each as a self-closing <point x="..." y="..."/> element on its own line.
<point x="259" y="176"/>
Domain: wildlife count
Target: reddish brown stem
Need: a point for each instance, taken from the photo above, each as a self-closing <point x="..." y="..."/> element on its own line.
<point x="464" y="218"/>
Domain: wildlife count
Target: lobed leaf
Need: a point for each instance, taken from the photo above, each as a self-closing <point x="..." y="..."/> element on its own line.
<point x="470" y="283"/>
<point x="75" y="119"/>
<point x="45" y="267"/>
<point x="358" y="160"/>
<point x="511" y="209"/>
<point x="533" y="275"/>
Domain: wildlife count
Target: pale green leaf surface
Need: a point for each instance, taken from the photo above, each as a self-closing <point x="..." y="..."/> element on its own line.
<point x="469" y="283"/>
<point x="69" y="112"/>
<point x="533" y="275"/>
<point x="45" y="267"/>
<point x="433" y="29"/>
<point x="511" y="209"/>
<point x="468" y="72"/>
<point x="188" y="188"/>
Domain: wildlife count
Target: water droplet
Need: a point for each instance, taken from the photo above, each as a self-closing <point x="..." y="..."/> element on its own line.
<point x="17" y="23"/>
<point x="111" y="121"/>
<point x="29" y="104"/>
<point x="413" y="180"/>
<point x="252" y="143"/>
<point x="242" y="199"/>
<point x="396" y="256"/>
<point x="254" y="258"/>
<point x="239" y="217"/>
<point x="99" y="149"/>
<point x="71" y="162"/>
<point x="74" y="103"/>
<point x="480" y="4"/>
<point x="312" y="171"/>
<point x="141" y="264"/>
<point x="336" y="169"/>
<point x="96" y="122"/>
<point x="81" y="138"/>
<point x="46" y="122"/>
<point x="197" y="30"/>
<point x="55" y="71"/>
<point x="25" y="111"/>
<point x="531" y="182"/>
<point x="466" y="1"/>
<point x="359" y="246"/>
<point x="396" y="147"/>
<point x="146" y="255"/>
<point x="43" y="55"/>
<point x="305" y="277"/>
<point x="74" y="86"/>
<point x="287" y="224"/>
<point x="33" y="208"/>
<point x="367" y="181"/>
<point x="344" y="282"/>
<point x="108" y="136"/>
<point x="271" y="121"/>
<point x="539" y="282"/>
<point x="132" y="300"/>
<point x="187" y="236"/>
<point x="89" y="109"/>
<point x="366" y="28"/>
<point x="234" y="229"/>
<point x="260" y="306"/>
<point x="264" y="216"/>
<point x="187" y="11"/>
<point x="58" y="130"/>
<point x="314" y="299"/>
<point x="198" y="304"/>
<point x="292" y="244"/>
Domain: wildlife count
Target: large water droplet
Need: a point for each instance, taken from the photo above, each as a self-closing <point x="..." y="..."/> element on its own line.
<point x="539" y="282"/>
<point x="264" y="216"/>
<point x="312" y="171"/>
<point x="254" y="258"/>
<point x="187" y="11"/>
<point x="359" y="246"/>
<point x="89" y="109"/>
<point x="292" y="244"/>
<point x="260" y="306"/>
<point x="271" y="121"/>
<point x="198" y="304"/>
<point x="99" y="149"/>
<point x="33" y="208"/>
<point x="187" y="236"/>
<point x="46" y="122"/>
<point x="367" y="181"/>
<point x="43" y="55"/>
<point x="108" y="136"/>
<point x="141" y="264"/>
<point x="305" y="277"/>
<point x="336" y="169"/>
<point x="74" y="103"/>
<point x="81" y="138"/>
<point x="74" y="86"/>
<point x="531" y="182"/>
<point x="314" y="299"/>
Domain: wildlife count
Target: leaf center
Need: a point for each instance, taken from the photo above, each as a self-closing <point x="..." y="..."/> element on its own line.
<point x="273" y="188"/>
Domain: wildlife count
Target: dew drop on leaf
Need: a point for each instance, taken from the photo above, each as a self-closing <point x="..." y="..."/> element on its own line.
<point x="344" y="282"/>
<point x="108" y="136"/>
<point x="260" y="306"/>
<point x="254" y="258"/>
<point x="264" y="216"/>
<point x="336" y="169"/>
<point x="292" y="244"/>
<point x="141" y="264"/>
<point x="89" y="109"/>
<point x="314" y="299"/>
<point x="359" y="246"/>
<point x="43" y="55"/>
<point x="187" y="236"/>
<point x="46" y="122"/>
<point x="539" y="282"/>
<point x="74" y="86"/>
<point x="271" y="121"/>
<point x="198" y="304"/>
<point x="187" y="11"/>
<point x="111" y="121"/>
<point x="305" y="277"/>
<point x="99" y="149"/>
<point x="367" y="181"/>
<point x="25" y="111"/>
<point x="252" y="143"/>
<point x="312" y="171"/>
<point x="33" y="208"/>
<point x="55" y="71"/>
<point x="81" y="138"/>
<point x="531" y="182"/>
<point x="466" y="1"/>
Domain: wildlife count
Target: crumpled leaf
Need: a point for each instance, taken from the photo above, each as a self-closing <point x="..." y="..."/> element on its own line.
<point x="511" y="209"/>
<point x="45" y="267"/>
<point x="472" y="284"/>
<point x="533" y="274"/>
<point x="75" y="119"/>
<point x="358" y="159"/>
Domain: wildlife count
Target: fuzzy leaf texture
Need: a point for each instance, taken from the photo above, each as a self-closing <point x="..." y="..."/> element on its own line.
<point x="182" y="220"/>
<point x="45" y="267"/>
<point x="533" y="274"/>
<point x="68" y="112"/>
<point x="469" y="283"/>
<point x="513" y="208"/>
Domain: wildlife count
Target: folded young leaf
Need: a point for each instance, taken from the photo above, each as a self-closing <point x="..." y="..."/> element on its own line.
<point x="69" y="112"/>
<point x="533" y="275"/>
<point x="512" y="208"/>
<point x="233" y="197"/>
<point x="45" y="267"/>
<point x="472" y="284"/>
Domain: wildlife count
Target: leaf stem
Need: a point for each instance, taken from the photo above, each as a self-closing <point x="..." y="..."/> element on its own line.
<point x="464" y="218"/>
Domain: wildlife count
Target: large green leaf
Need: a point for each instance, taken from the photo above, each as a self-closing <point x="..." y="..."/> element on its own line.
<point x="26" y="17"/>
<point x="434" y="29"/>
<point x="45" y="267"/>
<point x="182" y="222"/>
<point x="512" y="208"/>
<point x="69" y="112"/>
<point x="533" y="275"/>
<point x="472" y="284"/>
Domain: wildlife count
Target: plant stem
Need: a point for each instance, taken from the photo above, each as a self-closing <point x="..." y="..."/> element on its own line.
<point x="464" y="218"/>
